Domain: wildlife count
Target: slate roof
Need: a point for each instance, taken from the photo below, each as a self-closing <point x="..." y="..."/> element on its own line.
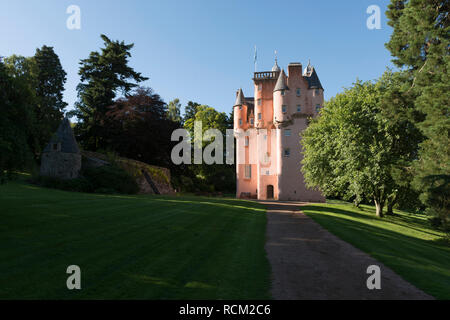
<point x="64" y="135"/>
<point x="313" y="79"/>
<point x="281" y="82"/>
<point x="240" y="100"/>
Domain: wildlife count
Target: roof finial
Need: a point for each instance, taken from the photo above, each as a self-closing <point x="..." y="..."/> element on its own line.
<point x="276" y="68"/>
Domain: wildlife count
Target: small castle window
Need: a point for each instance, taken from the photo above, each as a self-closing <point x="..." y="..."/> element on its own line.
<point x="299" y="108"/>
<point x="259" y="102"/>
<point x="318" y="108"/>
<point x="259" y="116"/>
<point x="283" y="92"/>
<point x="287" y="132"/>
<point x="252" y="121"/>
<point x="240" y="107"/>
<point x="259" y="87"/>
<point x="317" y="92"/>
<point x="248" y="171"/>
<point x="284" y="109"/>
<point x="247" y="141"/>
<point x="299" y="92"/>
<point x="240" y="122"/>
<point x="287" y="152"/>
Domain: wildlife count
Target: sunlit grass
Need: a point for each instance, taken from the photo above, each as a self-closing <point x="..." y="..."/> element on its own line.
<point x="130" y="247"/>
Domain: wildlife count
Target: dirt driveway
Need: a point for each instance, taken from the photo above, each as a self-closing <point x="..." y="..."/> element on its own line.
<point x="308" y="262"/>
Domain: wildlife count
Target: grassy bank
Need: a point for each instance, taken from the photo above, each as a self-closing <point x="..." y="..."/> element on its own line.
<point x="139" y="247"/>
<point x="404" y="242"/>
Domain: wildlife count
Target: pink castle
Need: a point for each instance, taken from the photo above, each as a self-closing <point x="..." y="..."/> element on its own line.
<point x="267" y="130"/>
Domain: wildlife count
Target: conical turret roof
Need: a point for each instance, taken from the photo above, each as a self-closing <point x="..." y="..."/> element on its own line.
<point x="240" y="99"/>
<point x="281" y="82"/>
<point x="64" y="136"/>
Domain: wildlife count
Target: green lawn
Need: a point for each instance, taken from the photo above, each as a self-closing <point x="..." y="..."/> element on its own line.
<point x="139" y="247"/>
<point x="404" y="242"/>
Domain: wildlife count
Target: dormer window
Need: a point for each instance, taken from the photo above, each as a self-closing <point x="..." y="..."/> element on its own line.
<point x="299" y="92"/>
<point x="284" y="109"/>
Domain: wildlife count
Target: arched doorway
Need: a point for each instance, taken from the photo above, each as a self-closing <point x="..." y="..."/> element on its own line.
<point x="270" y="192"/>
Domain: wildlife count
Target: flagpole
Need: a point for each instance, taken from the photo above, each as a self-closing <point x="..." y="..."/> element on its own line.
<point x="256" y="58"/>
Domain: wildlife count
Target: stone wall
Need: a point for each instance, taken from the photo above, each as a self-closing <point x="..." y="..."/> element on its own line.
<point x="61" y="165"/>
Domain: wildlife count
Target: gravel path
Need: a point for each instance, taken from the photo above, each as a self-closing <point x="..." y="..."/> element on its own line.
<point x="308" y="262"/>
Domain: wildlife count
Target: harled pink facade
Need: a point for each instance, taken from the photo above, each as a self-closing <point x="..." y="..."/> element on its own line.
<point x="267" y="130"/>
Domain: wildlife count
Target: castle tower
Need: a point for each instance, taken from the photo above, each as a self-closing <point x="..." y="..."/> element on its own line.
<point x="268" y="132"/>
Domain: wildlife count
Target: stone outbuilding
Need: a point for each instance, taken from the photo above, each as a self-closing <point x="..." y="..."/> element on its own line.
<point x="61" y="158"/>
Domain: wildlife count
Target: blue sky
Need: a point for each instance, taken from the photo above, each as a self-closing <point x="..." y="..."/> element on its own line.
<point x="203" y="50"/>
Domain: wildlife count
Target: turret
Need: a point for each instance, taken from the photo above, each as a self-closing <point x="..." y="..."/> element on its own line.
<point x="240" y="114"/>
<point x="280" y="99"/>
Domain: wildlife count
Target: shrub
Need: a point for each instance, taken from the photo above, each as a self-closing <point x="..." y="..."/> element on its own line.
<point x="111" y="179"/>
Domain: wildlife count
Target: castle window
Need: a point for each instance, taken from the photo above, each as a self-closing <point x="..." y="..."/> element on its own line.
<point x="240" y="107"/>
<point x="252" y="121"/>
<point x="317" y="107"/>
<point x="284" y="109"/>
<point x="259" y="102"/>
<point x="299" y="92"/>
<point x="248" y="171"/>
<point x="240" y="122"/>
<point x="283" y="92"/>
<point x="287" y="152"/>
<point x="259" y="116"/>
<point x="287" y="132"/>
<point x="259" y="87"/>
<point x="317" y="92"/>
<point x="299" y="108"/>
<point x="247" y="141"/>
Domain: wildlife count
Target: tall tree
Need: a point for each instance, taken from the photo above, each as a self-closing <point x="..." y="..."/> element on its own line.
<point x="104" y="75"/>
<point x="190" y="110"/>
<point x="16" y="124"/>
<point x="50" y="79"/>
<point x="173" y="112"/>
<point x="44" y="76"/>
<point x="352" y="148"/>
<point x="420" y="43"/>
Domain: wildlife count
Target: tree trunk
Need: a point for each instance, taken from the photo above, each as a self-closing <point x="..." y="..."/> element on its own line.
<point x="390" y="207"/>
<point x="379" y="207"/>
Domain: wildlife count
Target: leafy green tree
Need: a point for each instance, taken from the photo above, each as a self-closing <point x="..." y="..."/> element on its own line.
<point x="215" y="177"/>
<point x="173" y="112"/>
<point x="104" y="75"/>
<point x="420" y="45"/>
<point x="44" y="76"/>
<point x="16" y="124"/>
<point x="50" y="79"/>
<point x="352" y="148"/>
<point x="190" y="110"/>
